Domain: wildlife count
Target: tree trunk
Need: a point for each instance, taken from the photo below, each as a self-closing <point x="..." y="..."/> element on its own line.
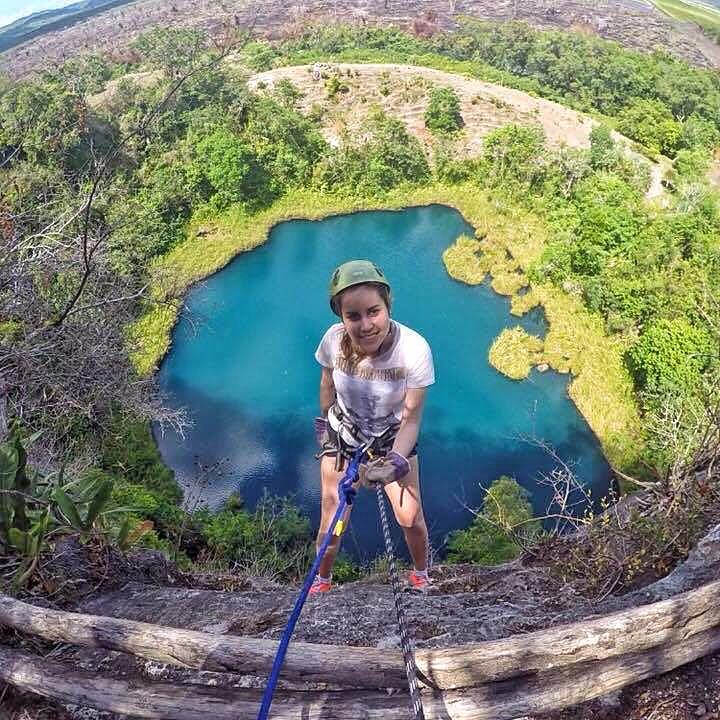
<point x="4" y="424"/>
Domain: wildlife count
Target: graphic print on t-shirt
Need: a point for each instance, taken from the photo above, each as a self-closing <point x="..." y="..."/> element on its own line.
<point x="372" y="392"/>
<point x="370" y="396"/>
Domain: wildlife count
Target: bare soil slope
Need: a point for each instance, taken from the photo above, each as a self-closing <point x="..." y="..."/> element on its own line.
<point x="403" y="92"/>
<point x="633" y="23"/>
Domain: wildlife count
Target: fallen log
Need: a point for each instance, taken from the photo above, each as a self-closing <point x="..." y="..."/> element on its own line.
<point x="355" y="667"/>
<point x="503" y="700"/>
<point x="602" y="638"/>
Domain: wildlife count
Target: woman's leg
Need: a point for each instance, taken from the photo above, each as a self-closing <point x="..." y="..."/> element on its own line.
<point x="329" y="501"/>
<point x="407" y="506"/>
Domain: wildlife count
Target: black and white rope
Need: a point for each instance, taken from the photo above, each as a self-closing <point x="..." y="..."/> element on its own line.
<point x="405" y="642"/>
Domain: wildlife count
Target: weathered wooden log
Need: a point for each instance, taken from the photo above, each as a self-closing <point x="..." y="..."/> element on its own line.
<point x="601" y="638"/>
<point x="503" y="700"/>
<point x="355" y="667"/>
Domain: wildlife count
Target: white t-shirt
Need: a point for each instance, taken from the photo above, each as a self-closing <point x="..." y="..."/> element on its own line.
<point x="372" y="394"/>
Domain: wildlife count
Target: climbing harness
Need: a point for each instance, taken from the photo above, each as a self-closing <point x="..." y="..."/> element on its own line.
<point x="346" y="495"/>
<point x="405" y="643"/>
<point x="343" y="438"/>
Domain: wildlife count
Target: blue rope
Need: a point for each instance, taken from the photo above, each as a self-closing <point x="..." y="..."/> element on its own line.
<point x="346" y="494"/>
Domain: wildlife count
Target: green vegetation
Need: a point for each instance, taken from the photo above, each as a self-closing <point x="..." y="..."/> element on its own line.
<point x="651" y="123"/>
<point x="580" y="71"/>
<point x="273" y="540"/>
<point x="443" y="111"/>
<point x="514" y="353"/>
<point x="388" y="158"/>
<point x="499" y="530"/>
<point x="35" y="507"/>
<point x="671" y="356"/>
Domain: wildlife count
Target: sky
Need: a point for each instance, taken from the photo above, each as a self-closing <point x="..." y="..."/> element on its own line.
<point x="11" y="10"/>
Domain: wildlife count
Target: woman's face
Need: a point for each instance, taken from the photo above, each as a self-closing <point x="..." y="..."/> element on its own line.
<point x="365" y="317"/>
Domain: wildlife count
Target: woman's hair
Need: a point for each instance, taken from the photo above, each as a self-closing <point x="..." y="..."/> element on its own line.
<point x="347" y="350"/>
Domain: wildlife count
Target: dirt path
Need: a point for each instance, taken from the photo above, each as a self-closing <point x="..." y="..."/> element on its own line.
<point x="402" y="91"/>
<point x="714" y="172"/>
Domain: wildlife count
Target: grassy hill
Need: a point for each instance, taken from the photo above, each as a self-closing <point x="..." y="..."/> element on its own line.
<point x="705" y="14"/>
<point x="42" y="22"/>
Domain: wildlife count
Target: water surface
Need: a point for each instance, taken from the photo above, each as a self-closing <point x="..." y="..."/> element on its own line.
<point x="242" y="362"/>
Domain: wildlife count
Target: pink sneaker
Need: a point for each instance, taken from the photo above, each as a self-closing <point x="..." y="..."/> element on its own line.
<point x="418" y="581"/>
<point x="320" y="585"/>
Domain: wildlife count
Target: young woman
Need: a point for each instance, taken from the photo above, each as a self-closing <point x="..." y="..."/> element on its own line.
<point x="375" y="374"/>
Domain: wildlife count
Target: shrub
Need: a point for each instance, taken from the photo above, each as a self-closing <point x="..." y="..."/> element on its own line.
<point x="229" y="166"/>
<point x="512" y="156"/>
<point x="390" y="157"/>
<point x="345" y="570"/>
<point x="603" y="151"/>
<point x="443" y="111"/>
<point x="273" y="539"/>
<point x="491" y="539"/>
<point x="698" y="133"/>
<point x="129" y="451"/>
<point x="258" y="56"/>
<point x="670" y="355"/>
<point x="651" y="123"/>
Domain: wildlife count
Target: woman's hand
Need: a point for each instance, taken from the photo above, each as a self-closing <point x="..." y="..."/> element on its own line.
<point x="394" y="467"/>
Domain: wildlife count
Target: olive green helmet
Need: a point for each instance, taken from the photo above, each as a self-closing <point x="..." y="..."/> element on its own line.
<point x="354" y="272"/>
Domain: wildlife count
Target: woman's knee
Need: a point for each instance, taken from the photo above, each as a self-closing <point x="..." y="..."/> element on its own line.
<point x="409" y="518"/>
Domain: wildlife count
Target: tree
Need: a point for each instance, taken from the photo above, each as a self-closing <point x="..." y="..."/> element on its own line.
<point x="286" y="144"/>
<point x="513" y="156"/>
<point x="173" y="50"/>
<point x="698" y="133"/>
<point x="443" y="111"/>
<point x="609" y="220"/>
<point x="669" y="356"/>
<point x="491" y="539"/>
<point x="603" y="151"/>
<point x="230" y="168"/>
<point x="64" y="364"/>
<point x="651" y="124"/>
<point x="389" y="157"/>
<point x="42" y="122"/>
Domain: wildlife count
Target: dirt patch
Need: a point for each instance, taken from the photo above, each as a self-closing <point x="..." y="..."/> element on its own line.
<point x="403" y="92"/>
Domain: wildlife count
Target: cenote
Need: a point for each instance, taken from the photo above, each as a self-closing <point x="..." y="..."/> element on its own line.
<point x="242" y="364"/>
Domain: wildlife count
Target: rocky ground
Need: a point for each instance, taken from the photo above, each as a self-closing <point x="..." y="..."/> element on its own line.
<point x="466" y="604"/>
<point x="633" y="23"/>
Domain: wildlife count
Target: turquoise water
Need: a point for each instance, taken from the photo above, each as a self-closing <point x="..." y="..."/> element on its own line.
<point x="242" y="362"/>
